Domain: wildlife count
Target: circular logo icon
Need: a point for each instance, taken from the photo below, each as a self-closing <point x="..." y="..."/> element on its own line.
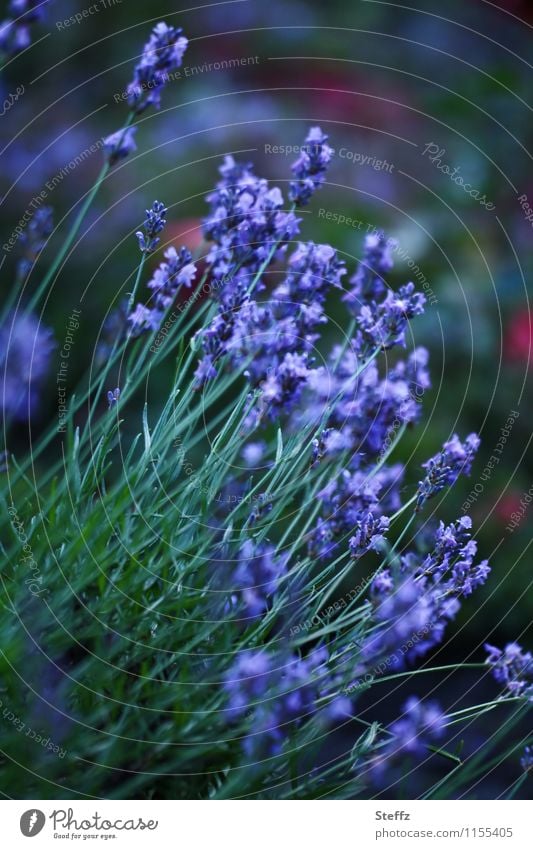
<point x="32" y="822"/>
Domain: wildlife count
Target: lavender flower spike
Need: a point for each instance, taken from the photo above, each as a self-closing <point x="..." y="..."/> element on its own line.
<point x="112" y="397"/>
<point x="445" y="467"/>
<point x="120" y="144"/>
<point x="177" y="270"/>
<point x="34" y="239"/>
<point x="277" y="691"/>
<point x="369" y="534"/>
<point x="154" y="224"/>
<point x="162" y="54"/>
<point x="310" y="169"/>
<point x="512" y="667"/>
<point x="368" y="284"/>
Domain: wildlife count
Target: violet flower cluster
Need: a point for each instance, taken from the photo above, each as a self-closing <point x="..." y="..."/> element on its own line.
<point x="271" y="339"/>
<point x="120" y="144"/>
<point x="421" y="725"/>
<point x="310" y="169"/>
<point x="177" y="270"/>
<point x="256" y="578"/>
<point x="274" y="338"/>
<point x="154" y="223"/>
<point x="513" y="668"/>
<point x="162" y="54"/>
<point x="526" y="761"/>
<point x="275" y="692"/>
<point x="272" y="342"/>
<point x="26" y="347"/>
<point x="34" y="238"/>
<point x="454" y="459"/>
<point x="412" y="605"/>
<point x="266" y="327"/>
<point x="368" y="283"/>
<point x="247" y="225"/>
<point x="15" y="31"/>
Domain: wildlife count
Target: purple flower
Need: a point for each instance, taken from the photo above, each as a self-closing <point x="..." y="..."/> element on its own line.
<point x="367" y="283"/>
<point x="347" y="501"/>
<point x="247" y="680"/>
<point x="112" y="397"/>
<point x="526" y="761"/>
<point x="451" y="563"/>
<point x="310" y="169"/>
<point x="383" y="325"/>
<point x="421" y="723"/>
<point x="369" y="534"/>
<point x="406" y="622"/>
<point x="253" y="453"/>
<point x="205" y="370"/>
<point x="29" y="10"/>
<point x="25" y="350"/>
<point x="257" y="577"/>
<point x="144" y="319"/>
<point x="274" y="339"/>
<point x="227" y="330"/>
<point x="512" y="667"/>
<point x="162" y="54"/>
<point x="120" y="144"/>
<point x="444" y="468"/>
<point x="313" y="270"/>
<point x="247" y="224"/>
<point x="15" y="31"/>
<point x="284" y="383"/>
<point x="176" y="270"/>
<point x="154" y="223"/>
<point x="34" y="238"/>
<point x="330" y="442"/>
<point x="369" y="411"/>
<point x="412" y="606"/>
<point x="276" y="693"/>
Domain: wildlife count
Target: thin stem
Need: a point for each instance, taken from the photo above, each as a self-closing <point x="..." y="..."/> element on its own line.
<point x="136" y="283"/>
<point x="74" y="230"/>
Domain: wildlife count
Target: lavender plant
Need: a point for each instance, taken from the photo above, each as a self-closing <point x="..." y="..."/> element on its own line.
<point x="221" y="602"/>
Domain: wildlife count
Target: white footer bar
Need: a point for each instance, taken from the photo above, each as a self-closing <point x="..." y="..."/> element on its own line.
<point x="268" y="824"/>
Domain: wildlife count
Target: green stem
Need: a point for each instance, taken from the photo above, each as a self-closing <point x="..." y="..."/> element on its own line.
<point x="136" y="283"/>
<point x="74" y="230"/>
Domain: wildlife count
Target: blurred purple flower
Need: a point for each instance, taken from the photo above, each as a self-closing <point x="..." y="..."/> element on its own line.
<point x="25" y="350"/>
<point x="512" y="667"/>
<point x="120" y="144"/>
<point x="15" y="34"/>
<point x="34" y="238"/>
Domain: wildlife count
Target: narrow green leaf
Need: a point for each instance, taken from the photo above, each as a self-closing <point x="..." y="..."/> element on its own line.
<point x="146" y="431"/>
<point x="279" y="447"/>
